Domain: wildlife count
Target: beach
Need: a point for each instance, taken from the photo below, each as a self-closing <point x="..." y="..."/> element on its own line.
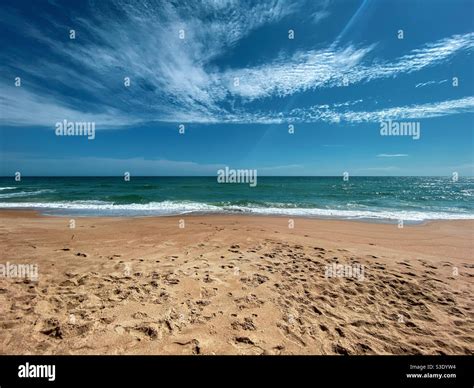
<point x="235" y="284"/>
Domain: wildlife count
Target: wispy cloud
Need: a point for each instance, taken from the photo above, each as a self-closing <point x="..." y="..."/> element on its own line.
<point x="303" y="71"/>
<point x="177" y="80"/>
<point x="381" y="169"/>
<point x="420" y="111"/>
<point x="321" y="12"/>
<point x="22" y="107"/>
<point x="278" y="168"/>
<point x="31" y="165"/>
<point x="423" y="84"/>
<point x="337" y="67"/>
<point x="391" y="155"/>
<point x="170" y="77"/>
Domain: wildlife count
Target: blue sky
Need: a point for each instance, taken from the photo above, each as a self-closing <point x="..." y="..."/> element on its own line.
<point x="236" y="81"/>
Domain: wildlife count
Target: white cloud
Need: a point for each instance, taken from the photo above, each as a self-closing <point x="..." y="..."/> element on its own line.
<point x="303" y="71"/>
<point x="335" y="67"/>
<point x="421" y="111"/>
<point x="283" y="167"/>
<point x="391" y="155"/>
<point x="31" y="165"/>
<point x="381" y="169"/>
<point x="423" y="84"/>
<point x="169" y="76"/>
<point x="21" y="107"/>
<point x="174" y="80"/>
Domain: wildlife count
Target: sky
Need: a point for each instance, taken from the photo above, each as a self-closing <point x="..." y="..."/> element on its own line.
<point x="297" y="87"/>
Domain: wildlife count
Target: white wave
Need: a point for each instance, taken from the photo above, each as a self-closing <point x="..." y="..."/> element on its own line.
<point x="176" y="208"/>
<point x="165" y="206"/>
<point x="25" y="193"/>
<point x="7" y="188"/>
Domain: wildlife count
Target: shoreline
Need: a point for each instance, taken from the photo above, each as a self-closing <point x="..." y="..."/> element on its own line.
<point x="235" y="284"/>
<point x="378" y="221"/>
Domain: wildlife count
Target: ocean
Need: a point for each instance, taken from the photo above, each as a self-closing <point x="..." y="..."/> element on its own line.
<point x="412" y="199"/>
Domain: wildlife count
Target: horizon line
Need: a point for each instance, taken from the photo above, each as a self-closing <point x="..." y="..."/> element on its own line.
<point x="212" y="176"/>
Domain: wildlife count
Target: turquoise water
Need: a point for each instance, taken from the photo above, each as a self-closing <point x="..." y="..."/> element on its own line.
<point x="377" y="198"/>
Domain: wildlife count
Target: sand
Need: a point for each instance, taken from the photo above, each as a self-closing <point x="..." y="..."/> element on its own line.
<point x="235" y="285"/>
